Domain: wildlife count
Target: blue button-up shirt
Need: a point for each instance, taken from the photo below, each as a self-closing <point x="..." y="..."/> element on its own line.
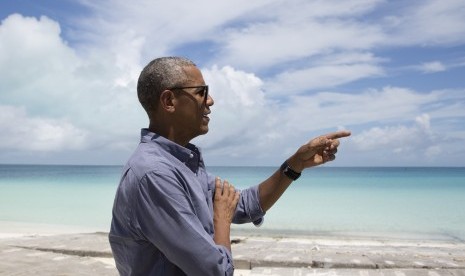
<point x="163" y="213"/>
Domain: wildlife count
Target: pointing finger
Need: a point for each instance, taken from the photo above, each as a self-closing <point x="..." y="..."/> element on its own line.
<point x="338" y="134"/>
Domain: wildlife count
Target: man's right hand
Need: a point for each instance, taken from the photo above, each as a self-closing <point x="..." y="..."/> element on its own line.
<point x="224" y="207"/>
<point x="225" y="202"/>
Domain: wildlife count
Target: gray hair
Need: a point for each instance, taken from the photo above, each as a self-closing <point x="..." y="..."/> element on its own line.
<point x="160" y="74"/>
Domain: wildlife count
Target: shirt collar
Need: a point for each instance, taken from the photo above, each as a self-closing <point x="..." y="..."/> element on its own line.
<point x="189" y="155"/>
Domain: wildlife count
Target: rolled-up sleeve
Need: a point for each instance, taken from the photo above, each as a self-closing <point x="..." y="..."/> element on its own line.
<point x="248" y="208"/>
<point x="165" y="217"/>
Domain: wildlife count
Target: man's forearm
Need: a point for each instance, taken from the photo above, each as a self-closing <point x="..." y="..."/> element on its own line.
<point x="272" y="189"/>
<point x="222" y="234"/>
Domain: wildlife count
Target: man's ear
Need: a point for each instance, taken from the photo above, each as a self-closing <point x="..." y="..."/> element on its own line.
<point x="167" y="100"/>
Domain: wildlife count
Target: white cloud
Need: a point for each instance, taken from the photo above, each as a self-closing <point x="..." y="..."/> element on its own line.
<point x="386" y="105"/>
<point x="347" y="58"/>
<point x="378" y="137"/>
<point x="417" y="143"/>
<point x="241" y="113"/>
<point x="258" y="35"/>
<point x="24" y="133"/>
<point x="249" y="36"/>
<point x="423" y="122"/>
<point x="263" y="45"/>
<point x="318" y="77"/>
<point x="159" y="25"/>
<point x="432" y="67"/>
<point x="427" y="23"/>
<point x="235" y="88"/>
<point x="398" y="138"/>
<point x="329" y="71"/>
<point x="433" y="151"/>
<point x="284" y="32"/>
<point x="60" y="94"/>
<point x="32" y="55"/>
<point x="259" y="130"/>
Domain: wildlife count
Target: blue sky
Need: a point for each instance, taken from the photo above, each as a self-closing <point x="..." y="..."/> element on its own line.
<point x="281" y="72"/>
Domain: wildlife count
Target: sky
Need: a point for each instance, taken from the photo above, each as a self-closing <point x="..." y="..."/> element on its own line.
<point x="281" y="72"/>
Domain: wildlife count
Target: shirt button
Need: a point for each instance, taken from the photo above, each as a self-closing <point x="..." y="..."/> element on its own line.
<point x="191" y="155"/>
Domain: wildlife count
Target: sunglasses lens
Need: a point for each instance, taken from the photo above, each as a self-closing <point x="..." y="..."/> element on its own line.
<point x="205" y="92"/>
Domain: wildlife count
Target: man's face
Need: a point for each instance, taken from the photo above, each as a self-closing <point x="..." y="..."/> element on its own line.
<point x="193" y="107"/>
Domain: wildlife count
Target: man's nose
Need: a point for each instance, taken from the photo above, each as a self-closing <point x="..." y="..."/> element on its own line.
<point x="210" y="100"/>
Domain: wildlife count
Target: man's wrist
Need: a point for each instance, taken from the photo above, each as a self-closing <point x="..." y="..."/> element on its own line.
<point x="295" y="163"/>
<point x="288" y="171"/>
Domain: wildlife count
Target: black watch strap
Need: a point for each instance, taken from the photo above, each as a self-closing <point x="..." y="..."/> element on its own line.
<point x="289" y="172"/>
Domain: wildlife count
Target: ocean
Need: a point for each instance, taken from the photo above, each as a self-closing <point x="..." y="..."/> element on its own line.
<point x="375" y="201"/>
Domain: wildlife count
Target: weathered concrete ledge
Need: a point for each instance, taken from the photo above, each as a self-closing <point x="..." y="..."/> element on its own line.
<point x="90" y="254"/>
<point x="348" y="253"/>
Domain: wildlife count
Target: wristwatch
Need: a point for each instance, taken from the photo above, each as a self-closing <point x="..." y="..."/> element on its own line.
<point x="289" y="172"/>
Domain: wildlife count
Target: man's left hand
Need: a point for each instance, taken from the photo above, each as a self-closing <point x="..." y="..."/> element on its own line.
<point x="317" y="151"/>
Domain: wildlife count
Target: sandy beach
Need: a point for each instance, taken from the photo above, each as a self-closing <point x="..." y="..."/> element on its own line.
<point x="28" y="249"/>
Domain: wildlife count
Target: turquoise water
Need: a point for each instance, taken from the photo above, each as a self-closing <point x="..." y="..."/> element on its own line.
<point x="68" y="195"/>
<point x="325" y="200"/>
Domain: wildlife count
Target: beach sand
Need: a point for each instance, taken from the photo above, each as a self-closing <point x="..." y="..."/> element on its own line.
<point x="30" y="249"/>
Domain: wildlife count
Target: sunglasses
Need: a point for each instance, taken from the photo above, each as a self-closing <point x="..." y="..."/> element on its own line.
<point x="203" y="91"/>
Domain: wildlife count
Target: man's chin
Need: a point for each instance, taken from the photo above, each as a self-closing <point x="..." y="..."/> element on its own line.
<point x="203" y="131"/>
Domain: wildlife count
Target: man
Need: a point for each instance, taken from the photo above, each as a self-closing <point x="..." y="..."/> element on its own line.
<point x="170" y="217"/>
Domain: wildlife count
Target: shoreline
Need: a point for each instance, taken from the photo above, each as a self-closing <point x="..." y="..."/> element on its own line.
<point x="12" y="229"/>
<point x="18" y="229"/>
<point x="400" y="236"/>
